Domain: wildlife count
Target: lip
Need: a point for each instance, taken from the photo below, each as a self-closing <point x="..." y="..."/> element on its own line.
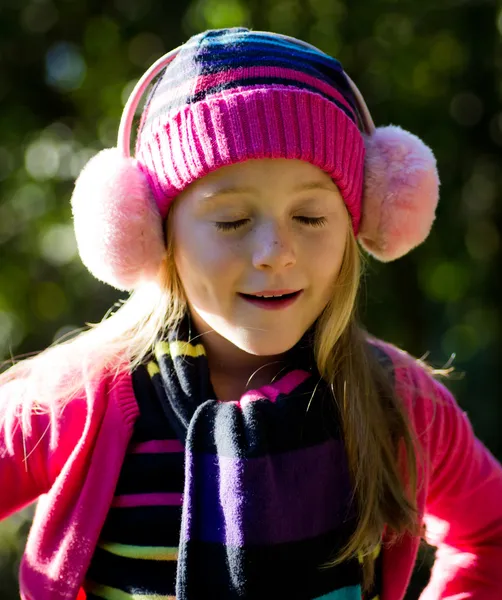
<point x="266" y="304"/>
<point x="274" y="292"/>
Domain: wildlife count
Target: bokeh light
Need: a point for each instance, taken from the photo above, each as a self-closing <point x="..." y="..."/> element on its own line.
<point x="65" y="67"/>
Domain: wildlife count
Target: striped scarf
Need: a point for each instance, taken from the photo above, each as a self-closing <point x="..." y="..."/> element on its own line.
<point x="267" y="490"/>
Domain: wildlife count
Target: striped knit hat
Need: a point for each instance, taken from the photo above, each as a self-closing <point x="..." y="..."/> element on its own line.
<point x="230" y="95"/>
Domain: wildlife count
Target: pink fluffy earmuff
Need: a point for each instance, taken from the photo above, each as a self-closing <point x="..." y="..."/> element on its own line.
<point x="117" y="223"/>
<point x="401" y="188"/>
<point x="119" y="227"/>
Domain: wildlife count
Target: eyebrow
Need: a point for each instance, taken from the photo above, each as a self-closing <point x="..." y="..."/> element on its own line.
<point x="304" y="187"/>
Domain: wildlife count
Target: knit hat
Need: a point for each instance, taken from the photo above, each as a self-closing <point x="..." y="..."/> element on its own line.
<point x="231" y="95"/>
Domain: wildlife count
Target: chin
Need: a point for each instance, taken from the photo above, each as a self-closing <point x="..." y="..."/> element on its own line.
<point x="266" y="344"/>
<point x="271" y="342"/>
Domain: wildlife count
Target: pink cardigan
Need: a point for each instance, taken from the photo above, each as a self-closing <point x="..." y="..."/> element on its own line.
<point x="74" y="459"/>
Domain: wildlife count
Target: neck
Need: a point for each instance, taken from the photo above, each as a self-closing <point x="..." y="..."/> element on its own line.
<point x="234" y="371"/>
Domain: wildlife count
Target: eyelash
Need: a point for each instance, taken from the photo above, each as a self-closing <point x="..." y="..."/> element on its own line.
<point x="233" y="225"/>
<point x="313" y="221"/>
<point x="229" y="225"/>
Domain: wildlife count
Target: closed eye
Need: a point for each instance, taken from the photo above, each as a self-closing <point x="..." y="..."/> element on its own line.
<point x="313" y="221"/>
<point x="233" y="225"/>
<point x="230" y="225"/>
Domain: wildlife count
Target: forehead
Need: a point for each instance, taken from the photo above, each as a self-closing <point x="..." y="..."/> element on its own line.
<point x="255" y="174"/>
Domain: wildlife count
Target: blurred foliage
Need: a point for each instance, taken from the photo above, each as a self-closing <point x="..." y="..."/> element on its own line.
<point x="66" y="69"/>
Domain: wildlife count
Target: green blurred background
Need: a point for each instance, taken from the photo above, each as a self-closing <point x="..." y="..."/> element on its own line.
<point x="432" y="66"/>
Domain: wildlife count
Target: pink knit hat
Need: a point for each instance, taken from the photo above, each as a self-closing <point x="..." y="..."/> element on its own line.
<point x="230" y="95"/>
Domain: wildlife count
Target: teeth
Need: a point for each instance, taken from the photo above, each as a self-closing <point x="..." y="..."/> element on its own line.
<point x="271" y="296"/>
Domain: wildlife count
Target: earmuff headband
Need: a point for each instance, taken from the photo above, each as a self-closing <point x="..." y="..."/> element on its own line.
<point x="119" y="223"/>
<point x="124" y="133"/>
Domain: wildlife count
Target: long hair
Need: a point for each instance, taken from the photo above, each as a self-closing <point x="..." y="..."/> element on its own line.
<point x="377" y="431"/>
<point x="373" y="420"/>
<point x="119" y="343"/>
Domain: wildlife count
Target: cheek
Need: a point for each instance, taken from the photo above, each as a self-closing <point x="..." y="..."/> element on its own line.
<point x="325" y="270"/>
<point x="202" y="259"/>
<point x="325" y="255"/>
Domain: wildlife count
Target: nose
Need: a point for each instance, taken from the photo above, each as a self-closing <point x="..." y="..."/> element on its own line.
<point x="273" y="247"/>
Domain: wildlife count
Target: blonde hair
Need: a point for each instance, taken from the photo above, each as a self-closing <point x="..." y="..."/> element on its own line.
<point x="373" y="420"/>
<point x="119" y="343"/>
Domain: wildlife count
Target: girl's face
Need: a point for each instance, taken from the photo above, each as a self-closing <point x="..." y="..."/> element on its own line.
<point x="259" y="228"/>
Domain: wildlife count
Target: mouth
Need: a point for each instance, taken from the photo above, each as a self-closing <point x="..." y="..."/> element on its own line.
<point x="272" y="300"/>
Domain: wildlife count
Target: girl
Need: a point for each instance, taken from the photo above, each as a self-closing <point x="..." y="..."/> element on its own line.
<point x="231" y="431"/>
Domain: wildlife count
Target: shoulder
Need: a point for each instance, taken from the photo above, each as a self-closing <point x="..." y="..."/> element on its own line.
<point x="398" y="357"/>
<point x="61" y="395"/>
<point x="101" y="389"/>
<point x="415" y="383"/>
<point x="439" y="425"/>
<point x="47" y="419"/>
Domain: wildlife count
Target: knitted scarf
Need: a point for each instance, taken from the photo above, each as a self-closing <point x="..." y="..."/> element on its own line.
<point x="267" y="495"/>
